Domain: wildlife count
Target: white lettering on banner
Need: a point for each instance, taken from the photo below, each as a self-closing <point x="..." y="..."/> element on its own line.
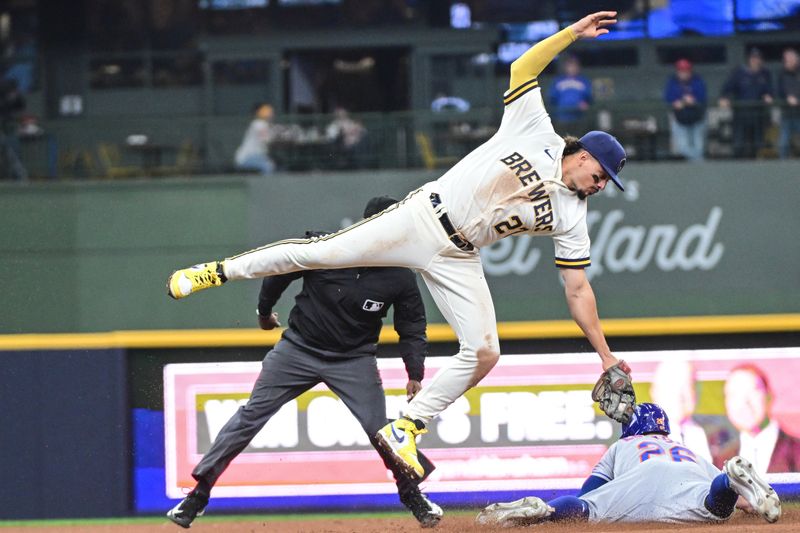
<point x="631" y="193"/>
<point x="632" y="248"/>
<point x="510" y="256"/>
<point x="619" y="248"/>
<point x="523" y="416"/>
<point x="395" y="405"/>
<point x="548" y="415"/>
<point x="454" y="425"/>
<point x="330" y="423"/>
<point x="279" y="432"/>
<point x="217" y="414"/>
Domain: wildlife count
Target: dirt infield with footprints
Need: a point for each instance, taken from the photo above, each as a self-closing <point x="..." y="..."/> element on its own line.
<point x="453" y="522"/>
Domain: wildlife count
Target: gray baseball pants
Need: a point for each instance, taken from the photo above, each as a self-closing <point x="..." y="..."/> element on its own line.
<point x="287" y="371"/>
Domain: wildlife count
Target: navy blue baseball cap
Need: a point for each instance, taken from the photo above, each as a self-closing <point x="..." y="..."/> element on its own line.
<point x="608" y="152"/>
<point x="647" y="418"/>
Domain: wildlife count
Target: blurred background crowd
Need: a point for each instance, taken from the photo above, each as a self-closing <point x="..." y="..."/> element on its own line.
<point x="108" y="88"/>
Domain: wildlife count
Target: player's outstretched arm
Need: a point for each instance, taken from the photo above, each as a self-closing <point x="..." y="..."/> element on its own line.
<point x="532" y="63"/>
<point x="583" y="308"/>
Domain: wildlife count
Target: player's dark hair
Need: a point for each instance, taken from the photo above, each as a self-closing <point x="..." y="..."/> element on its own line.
<point x="572" y="147"/>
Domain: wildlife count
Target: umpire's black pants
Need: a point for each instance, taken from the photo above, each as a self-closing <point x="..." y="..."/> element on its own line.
<point x="287" y="371"/>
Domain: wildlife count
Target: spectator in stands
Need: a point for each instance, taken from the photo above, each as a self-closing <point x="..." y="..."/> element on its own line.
<point x="348" y="134"/>
<point x="789" y="99"/>
<point x="749" y="91"/>
<point x="21" y="56"/>
<point x="253" y="153"/>
<point x="11" y="104"/>
<point x="748" y="401"/>
<point x="571" y="94"/>
<point x="685" y="92"/>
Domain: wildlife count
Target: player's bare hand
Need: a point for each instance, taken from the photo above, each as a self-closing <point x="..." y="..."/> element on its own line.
<point x="608" y="361"/>
<point x="743" y="505"/>
<point x="594" y="25"/>
<point x="269" y="322"/>
<point x="412" y="388"/>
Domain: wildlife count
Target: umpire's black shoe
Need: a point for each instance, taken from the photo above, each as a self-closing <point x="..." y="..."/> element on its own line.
<point x="425" y="511"/>
<point x="190" y="508"/>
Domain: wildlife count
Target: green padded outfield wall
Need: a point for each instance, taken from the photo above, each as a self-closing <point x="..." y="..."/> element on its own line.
<point x="706" y="239"/>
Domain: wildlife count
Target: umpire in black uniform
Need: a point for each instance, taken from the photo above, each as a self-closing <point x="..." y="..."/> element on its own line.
<point x="332" y="338"/>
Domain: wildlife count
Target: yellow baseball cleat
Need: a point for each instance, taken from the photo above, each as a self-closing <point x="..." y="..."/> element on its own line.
<point x="398" y="439"/>
<point x="186" y="281"/>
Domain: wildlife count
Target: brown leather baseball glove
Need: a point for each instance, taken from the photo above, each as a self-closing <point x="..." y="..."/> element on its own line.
<point x="614" y="392"/>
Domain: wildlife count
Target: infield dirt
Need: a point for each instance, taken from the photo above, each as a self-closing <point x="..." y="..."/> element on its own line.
<point x="458" y="522"/>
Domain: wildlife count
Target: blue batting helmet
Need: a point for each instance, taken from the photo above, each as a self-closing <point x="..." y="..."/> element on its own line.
<point x="647" y="418"/>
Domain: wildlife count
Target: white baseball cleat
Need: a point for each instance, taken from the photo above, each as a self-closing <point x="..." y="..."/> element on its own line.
<point x="746" y="483"/>
<point x="525" y="511"/>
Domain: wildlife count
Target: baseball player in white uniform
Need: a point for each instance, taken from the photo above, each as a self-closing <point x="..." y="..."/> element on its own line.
<point x="647" y="477"/>
<point x="525" y="179"/>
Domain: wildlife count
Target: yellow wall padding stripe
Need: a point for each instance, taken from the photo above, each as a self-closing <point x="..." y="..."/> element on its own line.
<point x="545" y="329"/>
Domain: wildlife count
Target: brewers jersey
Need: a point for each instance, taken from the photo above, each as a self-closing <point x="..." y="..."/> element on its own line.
<point x="651" y="478"/>
<point x="509" y="185"/>
<point x="512" y="184"/>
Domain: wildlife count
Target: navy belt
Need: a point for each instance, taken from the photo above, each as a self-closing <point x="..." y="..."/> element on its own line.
<point x="451" y="231"/>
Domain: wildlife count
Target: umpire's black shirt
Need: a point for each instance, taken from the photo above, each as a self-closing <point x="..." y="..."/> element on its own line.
<point x="339" y="313"/>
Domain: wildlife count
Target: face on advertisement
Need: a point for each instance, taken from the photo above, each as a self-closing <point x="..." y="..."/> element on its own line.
<point x="673" y="388"/>
<point x="746" y="400"/>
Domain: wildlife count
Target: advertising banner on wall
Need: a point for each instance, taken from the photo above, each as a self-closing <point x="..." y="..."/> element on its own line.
<point x="681" y="240"/>
<point x="705" y="239"/>
<point x="530" y="425"/>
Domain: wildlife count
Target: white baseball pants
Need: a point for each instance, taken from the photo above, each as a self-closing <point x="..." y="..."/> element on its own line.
<point x="407" y="234"/>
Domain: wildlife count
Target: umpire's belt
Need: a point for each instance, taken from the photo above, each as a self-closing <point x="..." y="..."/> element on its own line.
<point x="451" y="231"/>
